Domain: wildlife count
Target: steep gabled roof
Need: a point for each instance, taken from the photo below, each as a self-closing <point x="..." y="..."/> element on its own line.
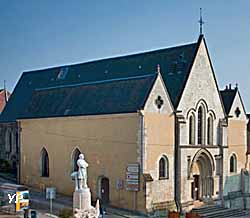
<point x="123" y="95"/>
<point x="228" y="96"/>
<point x="175" y="64"/>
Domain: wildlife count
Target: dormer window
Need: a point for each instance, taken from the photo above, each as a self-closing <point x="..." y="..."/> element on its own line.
<point x="62" y="73"/>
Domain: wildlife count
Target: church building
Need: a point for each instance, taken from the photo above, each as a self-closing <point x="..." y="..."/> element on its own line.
<point x="154" y="127"/>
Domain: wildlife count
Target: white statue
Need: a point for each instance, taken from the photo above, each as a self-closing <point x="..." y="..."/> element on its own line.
<point x="80" y="176"/>
<point x="82" y="195"/>
<point x="82" y="171"/>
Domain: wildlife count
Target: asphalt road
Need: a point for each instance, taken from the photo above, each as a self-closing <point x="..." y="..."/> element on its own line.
<point x="9" y="187"/>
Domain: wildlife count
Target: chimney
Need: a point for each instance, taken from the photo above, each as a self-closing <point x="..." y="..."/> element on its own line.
<point x="5" y="92"/>
<point x="226" y="87"/>
<point x="236" y="86"/>
<point x="230" y="86"/>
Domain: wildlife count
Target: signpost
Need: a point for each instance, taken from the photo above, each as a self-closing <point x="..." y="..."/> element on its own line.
<point x="132" y="177"/>
<point x="50" y="195"/>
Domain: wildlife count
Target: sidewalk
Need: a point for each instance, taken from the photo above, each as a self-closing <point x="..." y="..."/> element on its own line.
<point x="38" y="202"/>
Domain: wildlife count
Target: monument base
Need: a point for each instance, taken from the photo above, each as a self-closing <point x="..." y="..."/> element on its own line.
<point x="82" y="199"/>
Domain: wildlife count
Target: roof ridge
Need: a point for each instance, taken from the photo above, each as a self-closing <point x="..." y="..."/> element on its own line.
<point x="229" y="90"/>
<point x="197" y="45"/>
<point x="97" y="82"/>
<point x="111" y="58"/>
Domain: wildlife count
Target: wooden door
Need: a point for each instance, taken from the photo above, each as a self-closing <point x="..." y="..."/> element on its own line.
<point x="105" y="190"/>
<point x="196" y="186"/>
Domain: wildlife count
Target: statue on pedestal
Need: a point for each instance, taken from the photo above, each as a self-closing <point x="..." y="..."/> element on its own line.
<point x="82" y="196"/>
<point x="82" y="172"/>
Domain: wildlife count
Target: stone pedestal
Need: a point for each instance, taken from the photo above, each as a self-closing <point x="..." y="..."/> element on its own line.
<point x="82" y="199"/>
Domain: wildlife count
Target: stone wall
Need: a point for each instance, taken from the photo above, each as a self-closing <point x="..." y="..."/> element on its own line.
<point x="201" y="89"/>
<point x="109" y="143"/>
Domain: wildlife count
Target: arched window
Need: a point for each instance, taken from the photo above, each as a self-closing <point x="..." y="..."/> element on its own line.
<point x="44" y="163"/>
<point x="75" y="157"/>
<point x="163" y="168"/>
<point x="210" y="130"/>
<point x="200" y="125"/>
<point x="191" y="130"/>
<point x="233" y="164"/>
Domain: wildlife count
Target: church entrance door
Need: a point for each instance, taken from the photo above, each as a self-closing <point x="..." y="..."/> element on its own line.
<point x="202" y="168"/>
<point x="195" y="187"/>
<point x="105" y="190"/>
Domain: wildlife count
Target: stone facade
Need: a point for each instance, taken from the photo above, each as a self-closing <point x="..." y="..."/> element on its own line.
<point x="184" y="153"/>
<point x="159" y="141"/>
<point x="200" y="91"/>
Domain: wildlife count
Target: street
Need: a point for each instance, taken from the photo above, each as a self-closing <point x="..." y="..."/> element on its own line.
<point x="41" y="205"/>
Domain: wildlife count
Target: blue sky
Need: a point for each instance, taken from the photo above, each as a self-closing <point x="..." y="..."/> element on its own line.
<point x="43" y="33"/>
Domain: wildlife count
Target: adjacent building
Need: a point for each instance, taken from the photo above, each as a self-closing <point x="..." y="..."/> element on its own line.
<point x="154" y="127"/>
<point x="8" y="136"/>
<point x="4" y="96"/>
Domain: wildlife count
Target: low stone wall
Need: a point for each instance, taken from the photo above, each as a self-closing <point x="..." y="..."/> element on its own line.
<point x="237" y="200"/>
<point x="237" y="191"/>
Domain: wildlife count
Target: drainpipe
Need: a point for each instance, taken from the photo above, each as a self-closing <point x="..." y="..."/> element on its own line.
<point x="142" y="144"/>
<point x="142" y="148"/>
<point x="223" y="123"/>
<point x="221" y="175"/>
<point x="177" y="170"/>
<point x="18" y="151"/>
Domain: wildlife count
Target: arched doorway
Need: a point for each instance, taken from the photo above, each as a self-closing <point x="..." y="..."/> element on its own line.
<point x="202" y="168"/>
<point x="104" y="189"/>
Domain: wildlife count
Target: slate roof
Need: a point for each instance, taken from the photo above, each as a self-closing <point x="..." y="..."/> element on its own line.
<point x="228" y="96"/>
<point x="103" y="97"/>
<point x="175" y="64"/>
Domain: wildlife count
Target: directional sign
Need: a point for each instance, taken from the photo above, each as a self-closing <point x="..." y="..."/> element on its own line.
<point x="133" y="168"/>
<point x="132" y="177"/>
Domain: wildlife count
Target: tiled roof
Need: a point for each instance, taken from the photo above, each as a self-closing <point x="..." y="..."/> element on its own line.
<point x="228" y="96"/>
<point x="103" y="97"/>
<point x="175" y="64"/>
